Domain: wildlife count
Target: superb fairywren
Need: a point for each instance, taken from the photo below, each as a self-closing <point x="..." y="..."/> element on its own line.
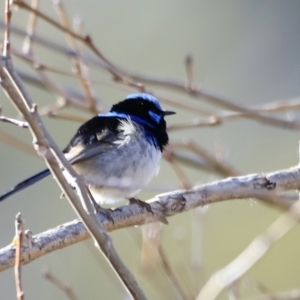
<point x="117" y="153"/>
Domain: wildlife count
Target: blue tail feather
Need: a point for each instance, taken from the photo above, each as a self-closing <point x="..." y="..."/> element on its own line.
<point x="26" y="183"/>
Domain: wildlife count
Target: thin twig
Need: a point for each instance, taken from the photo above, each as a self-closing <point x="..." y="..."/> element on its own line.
<point x="151" y="238"/>
<point x="219" y="167"/>
<point x="31" y="25"/>
<point x="197" y="246"/>
<point x="37" y="65"/>
<point x="7" y="20"/>
<point x="184" y="181"/>
<point x="182" y="104"/>
<point x="18" y="123"/>
<point x="189" y="70"/>
<point x="104" y="267"/>
<point x="59" y="284"/>
<point x="86" y="39"/>
<point x="214" y="99"/>
<point x="171" y="275"/>
<point x="251" y="255"/>
<point x="16" y="143"/>
<point x="125" y="76"/>
<point x="76" y="61"/>
<point x="18" y="241"/>
<point x="212" y="121"/>
<point x="190" y="159"/>
<point x="287" y="295"/>
<point x="65" y="116"/>
<point x="176" y="85"/>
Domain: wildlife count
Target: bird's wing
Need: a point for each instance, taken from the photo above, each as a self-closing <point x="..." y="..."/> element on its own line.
<point x="94" y="137"/>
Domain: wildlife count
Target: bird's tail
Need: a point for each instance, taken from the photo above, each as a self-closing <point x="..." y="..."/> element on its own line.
<point x="26" y="183"/>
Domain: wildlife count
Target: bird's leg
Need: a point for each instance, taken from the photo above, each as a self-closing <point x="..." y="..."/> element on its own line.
<point x="141" y="203"/>
<point x="107" y="212"/>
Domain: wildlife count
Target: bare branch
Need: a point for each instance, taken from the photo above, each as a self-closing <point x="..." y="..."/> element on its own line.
<point x="184" y="181"/>
<point x="287" y="295"/>
<point x="76" y="59"/>
<point x="14" y="122"/>
<point x="219" y="167"/>
<point x="85" y="39"/>
<point x="7" y="19"/>
<point x="251" y="255"/>
<point x="189" y="70"/>
<point x="62" y="286"/>
<point x="165" y="205"/>
<point x="171" y="275"/>
<point x="18" y="241"/>
<point x="18" y="144"/>
<point x="46" y="146"/>
<point x="31" y="25"/>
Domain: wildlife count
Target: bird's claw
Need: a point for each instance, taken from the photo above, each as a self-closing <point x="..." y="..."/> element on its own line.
<point x="141" y="203"/>
<point x="107" y="212"/>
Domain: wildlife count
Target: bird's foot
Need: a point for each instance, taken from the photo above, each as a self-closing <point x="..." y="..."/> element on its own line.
<point x="107" y="212"/>
<point x="141" y="204"/>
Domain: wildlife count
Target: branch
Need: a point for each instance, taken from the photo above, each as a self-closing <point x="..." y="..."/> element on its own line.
<point x="251" y="255"/>
<point x="136" y="80"/>
<point x="59" y="284"/>
<point x="265" y="187"/>
<point x="254" y="113"/>
<point x="288" y="295"/>
<point x="18" y="241"/>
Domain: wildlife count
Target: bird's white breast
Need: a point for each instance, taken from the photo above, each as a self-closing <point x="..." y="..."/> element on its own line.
<point x="125" y="169"/>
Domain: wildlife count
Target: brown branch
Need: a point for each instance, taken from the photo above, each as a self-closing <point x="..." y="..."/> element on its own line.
<point x="18" y="144"/>
<point x="197" y="246"/>
<point x="14" y="121"/>
<point x="190" y="159"/>
<point x="251" y="255"/>
<point x="7" y="20"/>
<point x="203" y="94"/>
<point x="211" y="121"/>
<point x="184" y="181"/>
<point x="287" y="295"/>
<point x="62" y="286"/>
<point x="85" y="39"/>
<point x="189" y="70"/>
<point x="252" y="113"/>
<point x="266" y="187"/>
<point x="31" y="25"/>
<point x="219" y="167"/>
<point x="18" y="241"/>
<point x="171" y="275"/>
<point x="76" y="59"/>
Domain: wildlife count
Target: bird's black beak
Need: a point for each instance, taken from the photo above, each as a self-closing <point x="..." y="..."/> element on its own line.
<point x="168" y="112"/>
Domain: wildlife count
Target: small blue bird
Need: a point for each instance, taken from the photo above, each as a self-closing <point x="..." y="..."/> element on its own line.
<point x="117" y="153"/>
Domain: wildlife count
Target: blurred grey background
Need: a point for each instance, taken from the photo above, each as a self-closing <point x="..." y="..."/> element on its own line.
<point x="247" y="51"/>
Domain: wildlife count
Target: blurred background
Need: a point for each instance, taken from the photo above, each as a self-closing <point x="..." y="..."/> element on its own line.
<point x="246" y="51"/>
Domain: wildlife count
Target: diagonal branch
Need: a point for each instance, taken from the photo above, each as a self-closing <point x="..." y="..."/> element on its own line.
<point x="54" y="158"/>
<point x="251" y="255"/>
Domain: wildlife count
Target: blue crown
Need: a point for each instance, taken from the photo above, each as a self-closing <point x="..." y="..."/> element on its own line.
<point x="146" y="97"/>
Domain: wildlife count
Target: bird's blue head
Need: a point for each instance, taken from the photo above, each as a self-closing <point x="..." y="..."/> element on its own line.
<point x="144" y="109"/>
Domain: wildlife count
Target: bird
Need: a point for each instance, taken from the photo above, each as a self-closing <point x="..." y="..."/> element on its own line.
<point x="117" y="153"/>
